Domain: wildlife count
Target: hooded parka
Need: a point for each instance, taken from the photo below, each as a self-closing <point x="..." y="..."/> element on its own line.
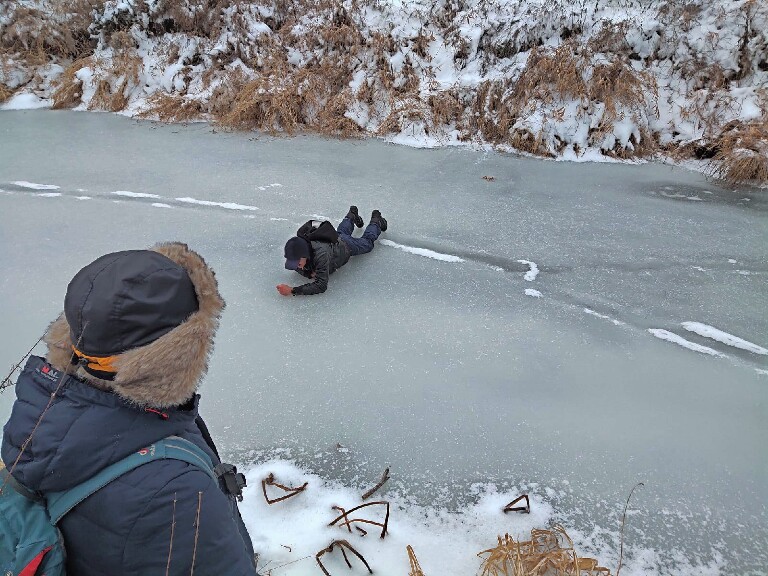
<point x="164" y="516"/>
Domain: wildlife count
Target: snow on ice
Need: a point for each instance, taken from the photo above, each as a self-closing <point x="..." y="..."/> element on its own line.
<point x="723" y="337"/>
<point x="422" y="252"/>
<point x="674" y="338"/>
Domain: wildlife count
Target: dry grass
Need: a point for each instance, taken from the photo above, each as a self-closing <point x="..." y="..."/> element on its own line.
<point x="172" y="108"/>
<point x="742" y="154"/>
<point x="547" y="553"/>
<point x="60" y="32"/>
<point x="124" y="72"/>
<point x="553" y="78"/>
<point x="5" y="93"/>
<point x="68" y="89"/>
<point x="414" y="562"/>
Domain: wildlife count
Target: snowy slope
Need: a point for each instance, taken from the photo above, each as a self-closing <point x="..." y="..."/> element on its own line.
<point x="574" y="80"/>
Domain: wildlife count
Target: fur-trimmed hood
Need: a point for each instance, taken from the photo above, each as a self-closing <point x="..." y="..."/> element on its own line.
<point x="167" y="371"/>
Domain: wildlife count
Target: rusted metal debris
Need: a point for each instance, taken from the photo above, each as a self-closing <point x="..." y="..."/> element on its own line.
<point x="341" y="544"/>
<point x="347" y="521"/>
<point x="512" y="508"/>
<point x="270" y="481"/>
<point x="372" y="491"/>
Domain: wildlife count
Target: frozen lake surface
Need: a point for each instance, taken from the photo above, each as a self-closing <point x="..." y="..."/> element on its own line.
<point x="564" y="330"/>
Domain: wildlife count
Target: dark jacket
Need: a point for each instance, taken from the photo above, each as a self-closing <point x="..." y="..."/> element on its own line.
<point x="165" y="510"/>
<point x="325" y="258"/>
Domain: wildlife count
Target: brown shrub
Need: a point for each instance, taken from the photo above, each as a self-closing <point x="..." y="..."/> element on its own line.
<point x="742" y="155"/>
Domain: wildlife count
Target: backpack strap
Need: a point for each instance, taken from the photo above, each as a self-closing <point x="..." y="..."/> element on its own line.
<point x="173" y="447"/>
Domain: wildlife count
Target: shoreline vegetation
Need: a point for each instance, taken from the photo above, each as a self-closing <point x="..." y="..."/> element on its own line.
<point x="579" y="80"/>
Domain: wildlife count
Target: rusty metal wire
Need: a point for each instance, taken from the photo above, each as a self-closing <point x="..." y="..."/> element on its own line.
<point x="349" y="521"/>
<point x="341" y="544"/>
<point x="512" y="508"/>
<point x="270" y="481"/>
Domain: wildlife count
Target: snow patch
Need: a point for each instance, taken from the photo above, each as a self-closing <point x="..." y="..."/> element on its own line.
<point x="603" y="316"/>
<point x="446" y="542"/>
<point x="675" y="339"/>
<point x="533" y="272"/>
<point x="82" y="197"/>
<point x="422" y="252"/>
<point x="279" y="219"/>
<point x="161" y="205"/>
<point x="49" y="194"/>
<point x="227" y="205"/>
<point x="26" y="101"/>
<point x="761" y="371"/>
<point x="532" y="292"/>
<point x="33" y="186"/>
<point x="723" y="337"/>
<point x="130" y="194"/>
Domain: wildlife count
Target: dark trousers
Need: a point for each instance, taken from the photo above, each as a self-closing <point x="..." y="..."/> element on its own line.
<point x="361" y="245"/>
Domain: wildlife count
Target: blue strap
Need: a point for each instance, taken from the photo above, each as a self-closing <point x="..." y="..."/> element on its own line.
<point x="59" y="503"/>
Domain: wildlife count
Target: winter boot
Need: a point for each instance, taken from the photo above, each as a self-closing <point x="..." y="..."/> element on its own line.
<point x="354" y="216"/>
<point x="377" y="218"/>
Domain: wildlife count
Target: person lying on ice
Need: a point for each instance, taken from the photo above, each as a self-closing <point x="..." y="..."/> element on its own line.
<point x="318" y="250"/>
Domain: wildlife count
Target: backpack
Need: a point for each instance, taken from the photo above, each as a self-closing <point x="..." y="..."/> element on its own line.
<point x="30" y="542"/>
<point x="314" y="230"/>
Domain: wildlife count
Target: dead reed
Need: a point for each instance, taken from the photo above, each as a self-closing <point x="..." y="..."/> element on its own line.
<point x="742" y="154"/>
<point x="172" y="108"/>
<point x="547" y="553"/>
<point x="5" y="92"/>
<point x="414" y="562"/>
<point x="68" y="89"/>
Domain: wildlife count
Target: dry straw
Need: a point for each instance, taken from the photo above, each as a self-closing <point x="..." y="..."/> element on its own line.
<point x="742" y="153"/>
<point x="68" y="89"/>
<point x="5" y="92"/>
<point x="547" y="553"/>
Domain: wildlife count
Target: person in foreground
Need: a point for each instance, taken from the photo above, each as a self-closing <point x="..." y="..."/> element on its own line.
<point x="318" y="250"/>
<point x="123" y="366"/>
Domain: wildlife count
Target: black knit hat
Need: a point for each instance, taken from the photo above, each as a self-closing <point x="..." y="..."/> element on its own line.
<point x="295" y="249"/>
<point x="125" y="300"/>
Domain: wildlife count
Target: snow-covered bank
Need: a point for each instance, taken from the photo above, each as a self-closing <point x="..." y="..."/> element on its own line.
<point x="560" y="79"/>
<point x="288" y="534"/>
